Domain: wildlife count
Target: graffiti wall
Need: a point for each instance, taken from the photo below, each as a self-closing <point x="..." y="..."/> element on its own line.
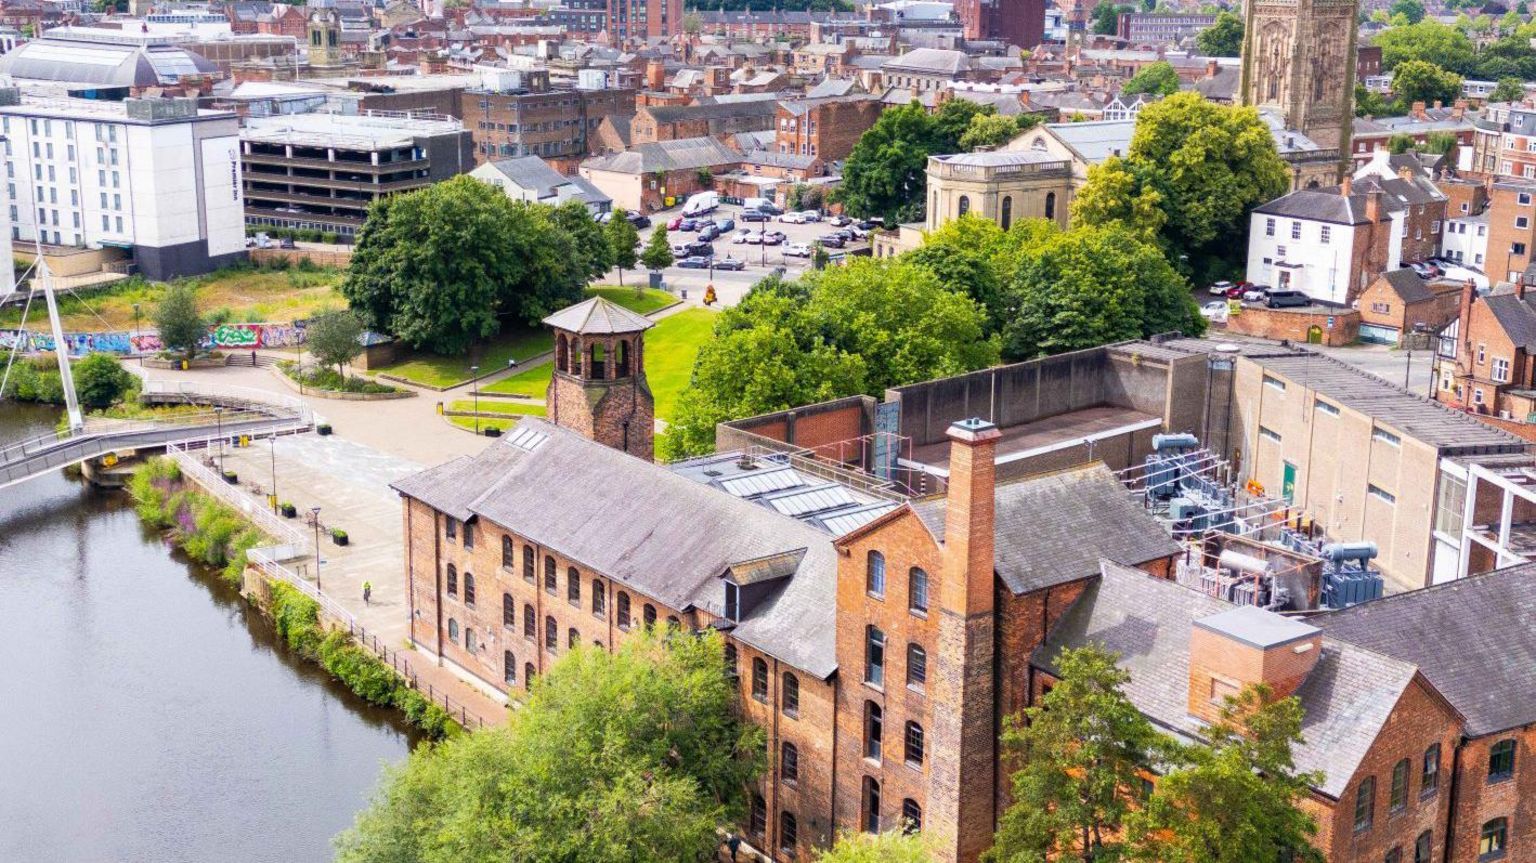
<point x="230" y="336"/>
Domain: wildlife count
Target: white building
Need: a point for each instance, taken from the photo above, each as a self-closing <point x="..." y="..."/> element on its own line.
<point x="1323" y="242"/>
<point x="157" y="178"/>
<point x="1465" y="240"/>
<point x="531" y="179"/>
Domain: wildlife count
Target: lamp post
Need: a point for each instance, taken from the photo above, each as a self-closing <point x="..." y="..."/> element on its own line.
<point x="474" y="380"/>
<point x="272" y="442"/>
<point x="136" y="348"/>
<point x="218" y="415"/>
<point x="315" y="512"/>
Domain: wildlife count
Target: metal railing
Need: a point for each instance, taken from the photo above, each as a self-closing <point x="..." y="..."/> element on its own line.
<point x="253" y="511"/>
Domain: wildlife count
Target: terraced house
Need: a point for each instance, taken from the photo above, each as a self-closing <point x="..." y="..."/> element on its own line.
<point x="879" y="639"/>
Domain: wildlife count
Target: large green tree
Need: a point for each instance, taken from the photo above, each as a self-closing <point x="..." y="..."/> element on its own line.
<point x="100" y="380"/>
<point x="1157" y="79"/>
<point x="444" y="266"/>
<point x="1106" y="17"/>
<point x="1508" y="90"/>
<point x="1429" y="41"/>
<point x="1418" y="81"/>
<point x="1079" y="757"/>
<point x="334" y="338"/>
<point x="588" y="241"/>
<point x="858" y="328"/>
<point x="1093" y="285"/>
<point x="1224" y="38"/>
<point x="1236" y="799"/>
<point x="993" y="130"/>
<point x="658" y="252"/>
<point x="1204" y="166"/>
<point x="622" y="239"/>
<point x="1412" y="10"/>
<point x="886" y="173"/>
<point x="181" y="326"/>
<point x="636" y="756"/>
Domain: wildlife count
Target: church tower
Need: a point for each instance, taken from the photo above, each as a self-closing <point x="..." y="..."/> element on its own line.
<point x="1299" y="61"/>
<point x="598" y="388"/>
<point x="324" y="29"/>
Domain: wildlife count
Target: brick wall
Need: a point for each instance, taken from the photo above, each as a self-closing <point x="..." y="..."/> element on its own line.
<point x="1296" y="325"/>
<point x="1509" y="245"/>
<point x="1480" y="799"/>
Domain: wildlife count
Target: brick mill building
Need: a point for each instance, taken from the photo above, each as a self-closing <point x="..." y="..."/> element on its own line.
<point x="880" y="638"/>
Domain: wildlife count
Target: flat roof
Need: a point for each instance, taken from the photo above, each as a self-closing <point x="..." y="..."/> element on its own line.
<point x="1255" y="626"/>
<point x="346" y="131"/>
<point x="1026" y="440"/>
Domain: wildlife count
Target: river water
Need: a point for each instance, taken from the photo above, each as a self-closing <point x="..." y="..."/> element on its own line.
<point x="147" y="713"/>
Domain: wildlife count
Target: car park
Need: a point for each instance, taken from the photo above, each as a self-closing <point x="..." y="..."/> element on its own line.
<point x="797" y="250"/>
<point x="773" y="238"/>
<point x="1219" y="289"/>
<point x="833" y="241"/>
<point x="725" y="225"/>
<point x="754" y="216"/>
<point x="792" y="218"/>
<point x="694" y="263"/>
<point x="730" y="264"/>
<point x="810" y="215"/>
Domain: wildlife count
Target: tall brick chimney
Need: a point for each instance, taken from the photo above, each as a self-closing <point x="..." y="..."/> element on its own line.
<point x="1347" y="186"/>
<point x="1418" y="110"/>
<point x="960" y="778"/>
<point x="1468" y="297"/>
<point x="1373" y="210"/>
<point x="1247" y="645"/>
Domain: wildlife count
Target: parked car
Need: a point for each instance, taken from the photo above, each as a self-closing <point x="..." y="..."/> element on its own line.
<point x="773" y="238"/>
<point x="676" y="224"/>
<point x="792" y="218"/>
<point x="1215" y="310"/>
<point x="640" y="220"/>
<point x="725" y="225"/>
<point x="741" y="236"/>
<point x="755" y="238"/>
<point x="1286" y="299"/>
<point x="286" y="243"/>
<point x="1255" y="293"/>
<point x="695" y="263"/>
<point x="1219" y="289"/>
<point x="1236" y="291"/>
<point x="857" y="232"/>
<point x="689" y="226"/>
<point x="754" y="216"/>
<point x="730" y="263"/>
<point x="679" y="249"/>
<point x="840" y="221"/>
<point x="811" y="215"/>
<point x="797" y="250"/>
<point x="832" y="241"/>
<point x="701" y="250"/>
<point x="871" y="224"/>
<point x="709" y="232"/>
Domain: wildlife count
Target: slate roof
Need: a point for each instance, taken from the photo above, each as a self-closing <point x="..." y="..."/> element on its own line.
<point x="1407" y="285"/>
<point x="1095" y="141"/>
<point x="1041" y="538"/>
<point x="1346" y="698"/>
<point x="1516" y="317"/>
<point x="531" y="173"/>
<point x="1325" y="205"/>
<point x="657" y="532"/>
<point x="598" y="317"/>
<point x="931" y="61"/>
<point x="717" y="111"/>
<point x="681" y="154"/>
<point x="1472" y="638"/>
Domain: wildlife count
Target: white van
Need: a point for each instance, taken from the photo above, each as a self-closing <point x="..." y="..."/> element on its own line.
<point x="702" y="203"/>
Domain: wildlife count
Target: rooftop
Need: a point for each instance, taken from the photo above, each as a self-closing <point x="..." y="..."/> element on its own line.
<point x="344" y="131"/>
<point x="1256" y="627"/>
<point x="598" y="317"/>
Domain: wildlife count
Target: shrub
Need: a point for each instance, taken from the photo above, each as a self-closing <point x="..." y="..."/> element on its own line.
<point x="100" y="380"/>
<point x="150" y="487"/>
<point x="296" y="617"/>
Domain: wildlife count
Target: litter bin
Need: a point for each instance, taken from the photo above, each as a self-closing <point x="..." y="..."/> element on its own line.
<point x="655" y="280"/>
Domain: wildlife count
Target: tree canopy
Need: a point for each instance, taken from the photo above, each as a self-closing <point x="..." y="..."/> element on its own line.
<point x="1224" y="38"/>
<point x="1157" y="79"/>
<point x="858" y="328"/>
<point x="1106" y="17"/>
<point x="444" y="266"/>
<point x="182" y="328"/>
<point x="101" y="381"/>
<point x="588" y="241"/>
<point x="1411" y="10"/>
<point x="658" y="251"/>
<point x="637" y="755"/>
<point x="334" y="338"/>
<point x="886" y="173"/>
<point x="1418" y="81"/>
<point x="1508" y="90"/>
<point x="894" y="846"/>
<point x="993" y="130"/>
<point x="622" y="239"/>
<point x="1429" y="41"/>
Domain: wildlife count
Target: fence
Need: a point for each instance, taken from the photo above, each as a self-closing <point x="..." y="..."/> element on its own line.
<point x="263" y="518"/>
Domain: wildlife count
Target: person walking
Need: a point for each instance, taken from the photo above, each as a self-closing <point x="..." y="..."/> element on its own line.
<point x="367" y="592"/>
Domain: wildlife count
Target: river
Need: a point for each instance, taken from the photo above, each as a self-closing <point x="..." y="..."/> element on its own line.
<point x="148" y="713"/>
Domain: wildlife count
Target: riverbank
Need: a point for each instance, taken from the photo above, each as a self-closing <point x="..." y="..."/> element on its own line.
<point x="214" y="533"/>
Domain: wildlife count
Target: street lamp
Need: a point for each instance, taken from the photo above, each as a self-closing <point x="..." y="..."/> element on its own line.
<point x="218" y="415"/>
<point x="315" y="517"/>
<point x="272" y="441"/>
<point x="474" y="379"/>
<point x="136" y="348"/>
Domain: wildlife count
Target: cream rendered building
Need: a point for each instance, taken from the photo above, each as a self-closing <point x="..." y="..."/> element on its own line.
<point x="1003" y="186"/>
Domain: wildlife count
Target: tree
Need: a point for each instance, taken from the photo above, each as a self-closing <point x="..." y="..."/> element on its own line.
<point x="1429" y="41"/>
<point x="1093" y="285"/>
<point x="1158" y="79"/>
<point x="1418" y="81"/>
<point x="837" y="332"/>
<point x="1413" y="10"/>
<point x="993" y="130"/>
<point x="622" y="239"/>
<point x="1440" y="143"/>
<point x="444" y="266"/>
<point x="886" y="174"/>
<point x="334" y="339"/>
<point x="1106" y="17"/>
<point x="1236" y="799"/>
<point x="893" y="846"/>
<point x="658" y="252"/>
<point x="1372" y="104"/>
<point x="182" y="329"/>
<point x="571" y="779"/>
<point x="101" y="381"/>
<point x="573" y="219"/>
<point x="1079" y="755"/>
<point x="1508" y="90"/>
<point x="1400" y="142"/>
<point x="1224" y="38"/>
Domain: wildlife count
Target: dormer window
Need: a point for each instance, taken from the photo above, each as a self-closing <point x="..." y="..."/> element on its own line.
<point x="732" y="602"/>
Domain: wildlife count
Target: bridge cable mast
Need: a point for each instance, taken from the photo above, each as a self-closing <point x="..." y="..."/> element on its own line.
<point x="66" y="376"/>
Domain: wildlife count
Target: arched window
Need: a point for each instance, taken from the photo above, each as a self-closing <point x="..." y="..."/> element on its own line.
<point x="917" y="666"/>
<point x="573" y="586"/>
<point x="508" y="610"/>
<point x="469" y="589"/>
<point x="572" y="639"/>
<point x="562" y="353"/>
<point x="789" y="763"/>
<point x="528" y="564"/>
<point x="469" y="535"/>
<point x="529" y="624"/>
<point x="453" y="630"/>
<point x="730" y="661"/>
<point x="757" y="822"/>
<point x="1494" y="839"/>
<point x="621" y="359"/>
<point x="1423" y="850"/>
<point x="874" y="729"/>
<point x="453" y="581"/>
<point x="965" y="204"/>
<point x="870" y="804"/>
<point x="874" y="656"/>
<point x="1050" y="205"/>
<point x="551" y="583"/>
<point x="912" y="744"/>
<point x="551" y="635"/>
<point x="1007" y="211"/>
<point x="528" y="675"/>
<point x="874" y="578"/>
<point x="599" y="361"/>
<point x="673" y="622"/>
<point x="1429" y="776"/>
<point x="575" y="356"/>
<point x="469" y="638"/>
<point x="759" y="679"/>
<point x="1365" y="804"/>
<point x="917" y="591"/>
<point x="599" y="598"/>
<point x="788" y="833"/>
<point x="509" y="667"/>
<point x="648" y="615"/>
<point x="911" y="816"/>
<point x="508" y="560"/>
<point x="623" y="612"/>
<point x="790" y="695"/>
<point x="1399" y="799"/>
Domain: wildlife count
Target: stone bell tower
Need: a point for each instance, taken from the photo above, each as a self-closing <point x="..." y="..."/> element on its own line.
<point x="324" y="28"/>
<point x="1299" y="60"/>
<point x="598" y="388"/>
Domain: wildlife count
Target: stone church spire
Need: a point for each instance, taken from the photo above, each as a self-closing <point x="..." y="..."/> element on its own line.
<point x="1299" y="62"/>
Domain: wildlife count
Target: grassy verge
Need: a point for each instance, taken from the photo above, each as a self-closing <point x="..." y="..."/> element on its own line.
<point x="329" y="381"/>
<point x="202" y="525"/>
<point x="641" y="302"/>
<point x="494" y="406"/>
<point x="670" y="349"/>
<point x="532" y="383"/>
<point x="468" y="423"/>
<point x="433" y="370"/>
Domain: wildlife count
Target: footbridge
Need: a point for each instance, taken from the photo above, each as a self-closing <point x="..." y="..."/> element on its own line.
<point x="225" y="412"/>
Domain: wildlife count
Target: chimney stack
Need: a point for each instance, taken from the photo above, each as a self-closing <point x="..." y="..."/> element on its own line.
<point x="1243" y="646"/>
<point x="1458" y="109"/>
<point x="969" y="524"/>
<point x="1373" y="205"/>
<point x="1347" y="186"/>
<point x="1211" y="68"/>
<point x="1468" y="297"/>
<point x="1418" y="110"/>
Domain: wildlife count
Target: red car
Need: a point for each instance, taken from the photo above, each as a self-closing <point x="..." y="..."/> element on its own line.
<point x="675" y="224"/>
<point x="1236" y="291"/>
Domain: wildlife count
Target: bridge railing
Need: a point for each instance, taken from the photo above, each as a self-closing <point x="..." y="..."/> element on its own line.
<point x="253" y="510"/>
<point x="250" y="397"/>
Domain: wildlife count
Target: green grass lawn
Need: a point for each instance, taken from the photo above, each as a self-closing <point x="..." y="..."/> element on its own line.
<point x="468" y="423"/>
<point x="532" y="383"/>
<point x="498" y="406"/>
<point x="670" y="348"/>
<point x="434" y="370"/>
<point x="644" y="302"/>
